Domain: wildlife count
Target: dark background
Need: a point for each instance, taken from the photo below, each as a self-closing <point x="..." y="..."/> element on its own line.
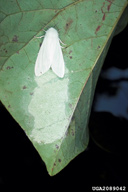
<point x="104" y="163"/>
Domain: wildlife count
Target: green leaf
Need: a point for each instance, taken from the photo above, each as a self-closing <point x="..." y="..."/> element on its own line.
<point x="54" y="112"/>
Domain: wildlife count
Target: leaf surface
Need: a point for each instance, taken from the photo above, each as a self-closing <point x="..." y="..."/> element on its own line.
<point x="54" y="112"/>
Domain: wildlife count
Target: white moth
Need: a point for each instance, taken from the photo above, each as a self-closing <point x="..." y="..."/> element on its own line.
<point x="50" y="55"/>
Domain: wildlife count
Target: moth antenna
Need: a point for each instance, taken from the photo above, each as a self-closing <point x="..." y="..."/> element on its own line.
<point x="62" y="42"/>
<point x="39" y="37"/>
<point x="62" y="47"/>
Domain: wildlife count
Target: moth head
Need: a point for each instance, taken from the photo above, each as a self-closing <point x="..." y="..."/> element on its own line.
<point x="51" y="32"/>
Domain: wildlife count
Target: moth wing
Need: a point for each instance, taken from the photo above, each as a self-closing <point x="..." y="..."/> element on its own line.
<point x="58" y="60"/>
<point x="42" y="64"/>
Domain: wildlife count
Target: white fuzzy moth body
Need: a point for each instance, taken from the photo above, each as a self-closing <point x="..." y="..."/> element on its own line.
<point x="50" y="55"/>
